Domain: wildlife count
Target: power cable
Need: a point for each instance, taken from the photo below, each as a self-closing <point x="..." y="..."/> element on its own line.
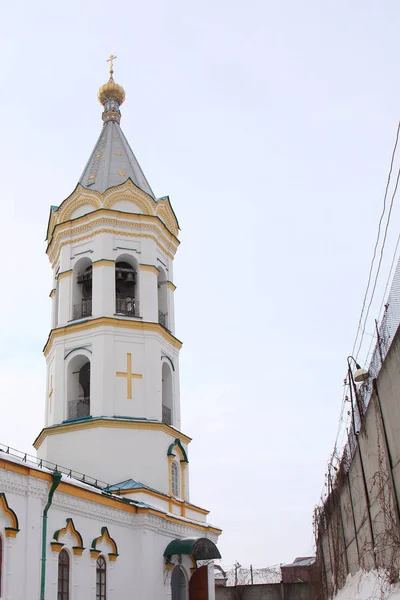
<point x="380" y="260"/>
<point x="378" y="235"/>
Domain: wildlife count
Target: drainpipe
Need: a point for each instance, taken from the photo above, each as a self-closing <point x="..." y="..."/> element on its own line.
<point x="56" y="480"/>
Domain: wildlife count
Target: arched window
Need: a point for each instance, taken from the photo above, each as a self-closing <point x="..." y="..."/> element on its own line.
<point x="162" y="298"/>
<point x="63" y="576"/>
<point x="126" y="292"/>
<point x="101" y="579"/>
<point x="175" y="478"/>
<point x="78" y="387"/>
<point x="167" y="403"/>
<point x="178" y="584"/>
<point x="1" y="564"/>
<point x="82" y="289"/>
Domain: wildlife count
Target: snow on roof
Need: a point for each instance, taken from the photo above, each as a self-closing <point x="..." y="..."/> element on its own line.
<point x="302" y="561"/>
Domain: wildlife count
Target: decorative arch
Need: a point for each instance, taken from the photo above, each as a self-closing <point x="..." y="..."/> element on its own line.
<point x="164" y="356"/>
<point x="167" y="219"/>
<point x="71" y="207"/>
<point x="116" y="196"/>
<point x="11" y="531"/>
<point x="71" y="530"/>
<point x="104" y="537"/>
<point x="179" y="449"/>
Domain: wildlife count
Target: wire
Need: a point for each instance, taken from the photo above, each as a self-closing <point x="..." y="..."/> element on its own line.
<point x="384" y="295"/>
<point x="378" y="235"/>
<point x="380" y="260"/>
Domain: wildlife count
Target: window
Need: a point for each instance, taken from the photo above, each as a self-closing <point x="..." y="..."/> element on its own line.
<point x="63" y="576"/>
<point x="101" y="593"/>
<point x="175" y="479"/>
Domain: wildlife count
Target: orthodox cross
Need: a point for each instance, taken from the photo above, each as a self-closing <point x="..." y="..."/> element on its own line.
<point x="110" y="60"/>
<point x="51" y="391"/>
<point x="129" y="376"/>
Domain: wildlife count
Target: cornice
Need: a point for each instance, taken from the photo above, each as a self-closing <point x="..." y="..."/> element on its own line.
<point x="110" y="322"/>
<point x="94" y="423"/>
<point x="89" y="225"/>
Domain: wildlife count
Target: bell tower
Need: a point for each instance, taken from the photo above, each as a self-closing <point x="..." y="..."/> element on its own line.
<point x="112" y="401"/>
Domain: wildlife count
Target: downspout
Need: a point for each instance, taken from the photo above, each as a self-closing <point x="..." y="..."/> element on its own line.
<point x="56" y="480"/>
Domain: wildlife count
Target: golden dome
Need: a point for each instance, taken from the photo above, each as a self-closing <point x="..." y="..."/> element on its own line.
<point x="111" y="91"/>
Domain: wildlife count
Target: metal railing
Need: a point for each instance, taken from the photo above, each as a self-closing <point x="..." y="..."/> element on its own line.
<point x="46" y="464"/>
<point x="127" y="306"/>
<point x="83" y="309"/>
<point x="78" y="408"/>
<point x="166" y="415"/>
<point x="162" y="319"/>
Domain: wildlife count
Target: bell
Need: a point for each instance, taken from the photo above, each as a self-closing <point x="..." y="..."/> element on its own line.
<point x="119" y="276"/>
<point x="129" y="278"/>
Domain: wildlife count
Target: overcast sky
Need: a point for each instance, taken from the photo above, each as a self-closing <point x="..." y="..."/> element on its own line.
<point x="270" y="125"/>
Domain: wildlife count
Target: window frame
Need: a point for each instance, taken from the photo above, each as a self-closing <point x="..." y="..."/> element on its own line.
<point x="101" y="570"/>
<point x="63" y="594"/>
<point x="175" y="478"/>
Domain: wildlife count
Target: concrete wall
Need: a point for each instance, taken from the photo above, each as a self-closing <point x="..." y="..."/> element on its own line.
<point x="267" y="591"/>
<point x="359" y="523"/>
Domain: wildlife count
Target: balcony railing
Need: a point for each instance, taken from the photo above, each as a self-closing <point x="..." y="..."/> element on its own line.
<point x="166" y="415"/>
<point x="127" y="306"/>
<point x="162" y="319"/>
<point x="83" y="309"/>
<point x="78" y="408"/>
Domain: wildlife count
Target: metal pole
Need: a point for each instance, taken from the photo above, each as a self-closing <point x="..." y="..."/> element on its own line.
<point x="251" y="575"/>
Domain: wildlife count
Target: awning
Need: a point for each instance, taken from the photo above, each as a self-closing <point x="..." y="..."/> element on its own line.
<point x="199" y="548"/>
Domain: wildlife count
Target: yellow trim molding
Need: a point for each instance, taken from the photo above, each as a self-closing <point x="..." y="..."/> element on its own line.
<point x="64" y="274"/>
<point x="131" y="221"/>
<point x="8" y="512"/>
<point x="95" y="496"/>
<point x="110" y="322"/>
<point x="104" y="262"/>
<point x="171" y="286"/>
<point x="77" y="551"/>
<point x="56" y="546"/>
<point x="109" y="423"/>
<point x="95" y="553"/>
<point x="52" y="293"/>
<point x="105" y="537"/>
<point x="150" y="268"/>
<point x="10" y="532"/>
<point x="69" y="528"/>
<point x="165" y="497"/>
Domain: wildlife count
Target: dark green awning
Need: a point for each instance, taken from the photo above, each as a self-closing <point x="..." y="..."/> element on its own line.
<point x="199" y="548"/>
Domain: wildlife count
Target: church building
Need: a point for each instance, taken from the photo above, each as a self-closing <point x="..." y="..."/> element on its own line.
<point x="80" y="522"/>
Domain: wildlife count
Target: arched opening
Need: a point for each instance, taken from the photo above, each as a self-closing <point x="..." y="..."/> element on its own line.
<point x="175" y="478"/>
<point x="78" y="387"/>
<point x="166" y="394"/>
<point x="126" y="287"/>
<point x="162" y="298"/>
<point x="63" y="576"/>
<point x="101" y="578"/>
<point x="178" y="584"/>
<point x="82" y="289"/>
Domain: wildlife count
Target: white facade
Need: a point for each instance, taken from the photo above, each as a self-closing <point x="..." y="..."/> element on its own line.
<point x="112" y="417"/>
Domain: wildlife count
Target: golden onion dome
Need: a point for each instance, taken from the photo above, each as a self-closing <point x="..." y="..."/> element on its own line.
<point x="111" y="91"/>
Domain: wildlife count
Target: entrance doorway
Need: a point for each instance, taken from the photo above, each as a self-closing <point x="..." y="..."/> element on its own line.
<point x="198" y="586"/>
<point x="178" y="584"/>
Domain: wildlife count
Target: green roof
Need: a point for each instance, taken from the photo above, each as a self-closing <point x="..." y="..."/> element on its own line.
<point x="199" y="548"/>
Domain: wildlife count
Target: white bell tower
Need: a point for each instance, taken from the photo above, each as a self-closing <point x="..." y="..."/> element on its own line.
<point x="112" y="405"/>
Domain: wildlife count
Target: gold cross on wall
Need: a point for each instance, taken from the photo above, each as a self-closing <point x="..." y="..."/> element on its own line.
<point x="51" y="391"/>
<point x="129" y="376"/>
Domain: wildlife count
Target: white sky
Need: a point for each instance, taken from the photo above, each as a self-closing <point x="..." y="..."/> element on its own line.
<point x="270" y="125"/>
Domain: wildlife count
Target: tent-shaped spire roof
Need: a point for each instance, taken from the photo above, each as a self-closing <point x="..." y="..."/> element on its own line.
<point x="112" y="161"/>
